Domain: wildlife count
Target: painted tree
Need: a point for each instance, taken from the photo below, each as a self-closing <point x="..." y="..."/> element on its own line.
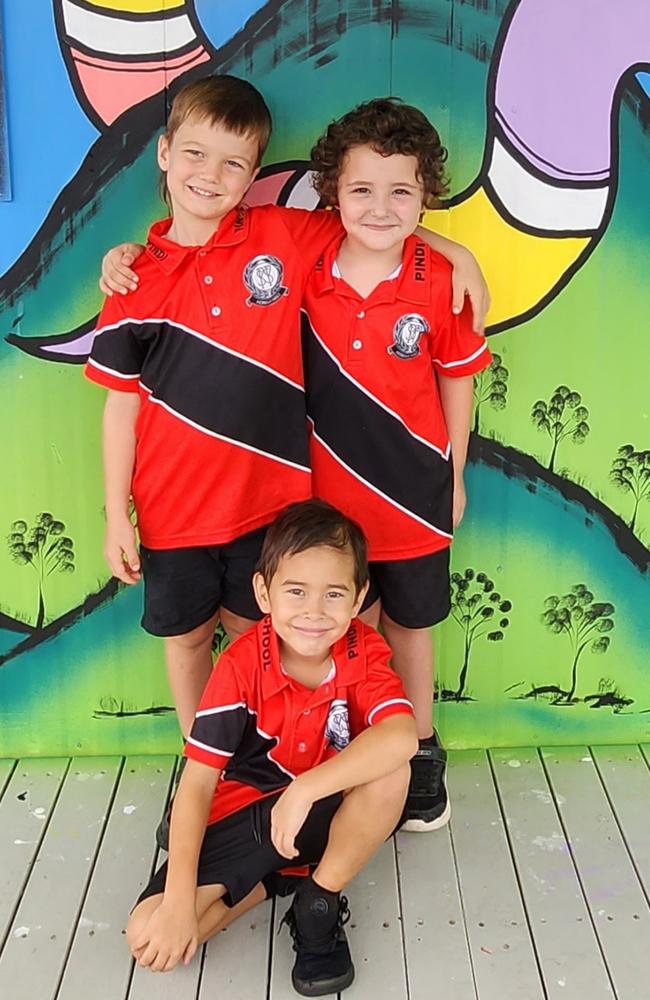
<point x="490" y="386"/>
<point x="584" y="621"/>
<point x="631" y="473"/>
<point x="561" y="417"/>
<point x="45" y="548"/>
<point x="475" y="607"/>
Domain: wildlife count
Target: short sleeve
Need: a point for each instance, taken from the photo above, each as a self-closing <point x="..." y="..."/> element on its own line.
<point x="117" y="353"/>
<point x="380" y="694"/>
<point x="311" y="231"/>
<point x="456" y="351"/>
<point x="220" y="719"/>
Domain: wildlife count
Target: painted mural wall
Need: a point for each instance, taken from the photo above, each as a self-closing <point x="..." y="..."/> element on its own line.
<point x="545" y="107"/>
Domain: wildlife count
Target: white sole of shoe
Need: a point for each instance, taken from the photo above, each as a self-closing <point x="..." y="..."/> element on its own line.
<point x="420" y="826"/>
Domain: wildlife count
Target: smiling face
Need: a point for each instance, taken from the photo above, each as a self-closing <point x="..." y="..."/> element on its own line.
<point x="311" y="598"/>
<point x="379" y="198"/>
<point x="208" y="171"/>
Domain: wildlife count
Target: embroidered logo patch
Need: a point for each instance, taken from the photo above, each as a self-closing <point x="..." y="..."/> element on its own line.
<point x="263" y="279"/>
<point x="406" y="336"/>
<point x="337" y="730"/>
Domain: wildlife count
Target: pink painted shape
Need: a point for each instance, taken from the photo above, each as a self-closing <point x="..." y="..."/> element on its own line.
<point x="266" y="190"/>
<point x="113" y="87"/>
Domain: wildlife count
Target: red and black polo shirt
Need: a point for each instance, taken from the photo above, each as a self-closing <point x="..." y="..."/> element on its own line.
<point x="379" y="444"/>
<point x="263" y="728"/>
<point x="210" y="340"/>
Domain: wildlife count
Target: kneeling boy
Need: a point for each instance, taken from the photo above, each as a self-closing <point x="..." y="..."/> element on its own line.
<point x="299" y="751"/>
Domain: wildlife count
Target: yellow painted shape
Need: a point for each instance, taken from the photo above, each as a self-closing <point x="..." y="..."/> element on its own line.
<point x="520" y="268"/>
<point x="138" y="6"/>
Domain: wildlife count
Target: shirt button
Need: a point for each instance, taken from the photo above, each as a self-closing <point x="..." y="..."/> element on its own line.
<point x="216" y="311"/>
<point x="361" y="314"/>
<point x="307" y="711"/>
<point x="208" y="279"/>
<point x="302" y="747"/>
<point x="357" y="344"/>
<point x="202" y="253"/>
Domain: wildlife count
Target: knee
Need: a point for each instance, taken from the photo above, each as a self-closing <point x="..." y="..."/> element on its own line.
<point x="192" y="641"/>
<point x="235" y="625"/>
<point x="391" y="788"/>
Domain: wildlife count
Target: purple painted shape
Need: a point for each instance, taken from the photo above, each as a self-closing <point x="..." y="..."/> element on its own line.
<point x="560" y="65"/>
<point x="79" y="348"/>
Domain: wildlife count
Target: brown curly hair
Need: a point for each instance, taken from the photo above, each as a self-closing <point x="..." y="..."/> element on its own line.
<point x="389" y="126"/>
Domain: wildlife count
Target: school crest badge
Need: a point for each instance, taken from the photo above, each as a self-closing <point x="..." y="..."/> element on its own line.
<point x="406" y="336"/>
<point x="337" y="730"/>
<point x="263" y="279"/>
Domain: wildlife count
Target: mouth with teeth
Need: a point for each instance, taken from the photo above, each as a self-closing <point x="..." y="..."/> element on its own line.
<point x="202" y="192"/>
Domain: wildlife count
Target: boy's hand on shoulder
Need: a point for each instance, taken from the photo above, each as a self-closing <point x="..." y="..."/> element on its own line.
<point x="170" y="936"/>
<point x="117" y="275"/>
<point x="121" y="551"/>
<point x="467" y="279"/>
<point x="287" y="817"/>
<point x="459" y="501"/>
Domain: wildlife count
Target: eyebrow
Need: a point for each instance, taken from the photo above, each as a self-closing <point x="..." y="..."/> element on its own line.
<point x="393" y="184"/>
<point x="301" y="583"/>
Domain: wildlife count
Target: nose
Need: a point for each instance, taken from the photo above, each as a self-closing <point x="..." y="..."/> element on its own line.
<point x="314" y="607"/>
<point x="379" y="207"/>
<point x="211" y="171"/>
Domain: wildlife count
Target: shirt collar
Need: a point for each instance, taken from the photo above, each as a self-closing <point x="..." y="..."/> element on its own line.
<point x="412" y="284"/>
<point x="347" y="654"/>
<point x="232" y="229"/>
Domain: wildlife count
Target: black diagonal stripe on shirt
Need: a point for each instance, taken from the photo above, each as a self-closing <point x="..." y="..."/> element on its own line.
<point x="222" y="393"/>
<point x="373" y="443"/>
<point x="235" y="731"/>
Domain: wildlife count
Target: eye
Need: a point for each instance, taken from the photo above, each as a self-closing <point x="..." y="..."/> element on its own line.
<point x="194" y="152"/>
<point x="402" y="191"/>
<point x="295" y="592"/>
<point x="334" y="595"/>
<point x="361" y="190"/>
<point x="234" y="163"/>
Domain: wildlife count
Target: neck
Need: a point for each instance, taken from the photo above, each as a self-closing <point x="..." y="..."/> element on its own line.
<point x="192" y="232"/>
<point x="364" y="269"/>
<point x="308" y="671"/>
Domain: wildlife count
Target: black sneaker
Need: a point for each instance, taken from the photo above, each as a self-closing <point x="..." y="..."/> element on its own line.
<point x="162" y="830"/>
<point x="315" y="920"/>
<point x="427" y="804"/>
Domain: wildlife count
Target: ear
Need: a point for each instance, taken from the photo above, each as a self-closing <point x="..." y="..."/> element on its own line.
<point x="163" y="152"/>
<point x="360" y="599"/>
<point x="261" y="593"/>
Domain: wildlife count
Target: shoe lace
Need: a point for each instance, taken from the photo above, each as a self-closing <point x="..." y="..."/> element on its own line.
<point x="426" y="775"/>
<point x="322" y="945"/>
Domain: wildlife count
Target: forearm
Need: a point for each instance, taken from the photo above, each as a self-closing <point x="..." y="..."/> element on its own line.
<point x="456" y="397"/>
<point x="120" y="415"/>
<point x="374" y="753"/>
<point x="187" y="830"/>
<point x="448" y="248"/>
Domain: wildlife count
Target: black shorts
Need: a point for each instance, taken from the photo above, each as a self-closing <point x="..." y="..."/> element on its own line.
<point x="238" y="852"/>
<point x="183" y="588"/>
<point x="413" y="592"/>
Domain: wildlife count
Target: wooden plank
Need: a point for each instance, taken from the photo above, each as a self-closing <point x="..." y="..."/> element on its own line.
<point x="432" y="916"/>
<point x="237" y="960"/>
<point x="626" y="777"/>
<point x="6" y="768"/>
<point x="40" y="935"/>
<point x="25" y="810"/>
<point x="567" y="948"/>
<point x="503" y="957"/>
<point x="375" y="930"/>
<point x="617" y="904"/>
<point x="124" y="864"/>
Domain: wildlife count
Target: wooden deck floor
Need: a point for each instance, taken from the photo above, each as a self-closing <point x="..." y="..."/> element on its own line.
<point x="537" y="889"/>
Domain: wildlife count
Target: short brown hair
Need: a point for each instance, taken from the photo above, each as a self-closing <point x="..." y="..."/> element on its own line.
<point x="222" y="100"/>
<point x="307" y="525"/>
<point x="389" y="126"/>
